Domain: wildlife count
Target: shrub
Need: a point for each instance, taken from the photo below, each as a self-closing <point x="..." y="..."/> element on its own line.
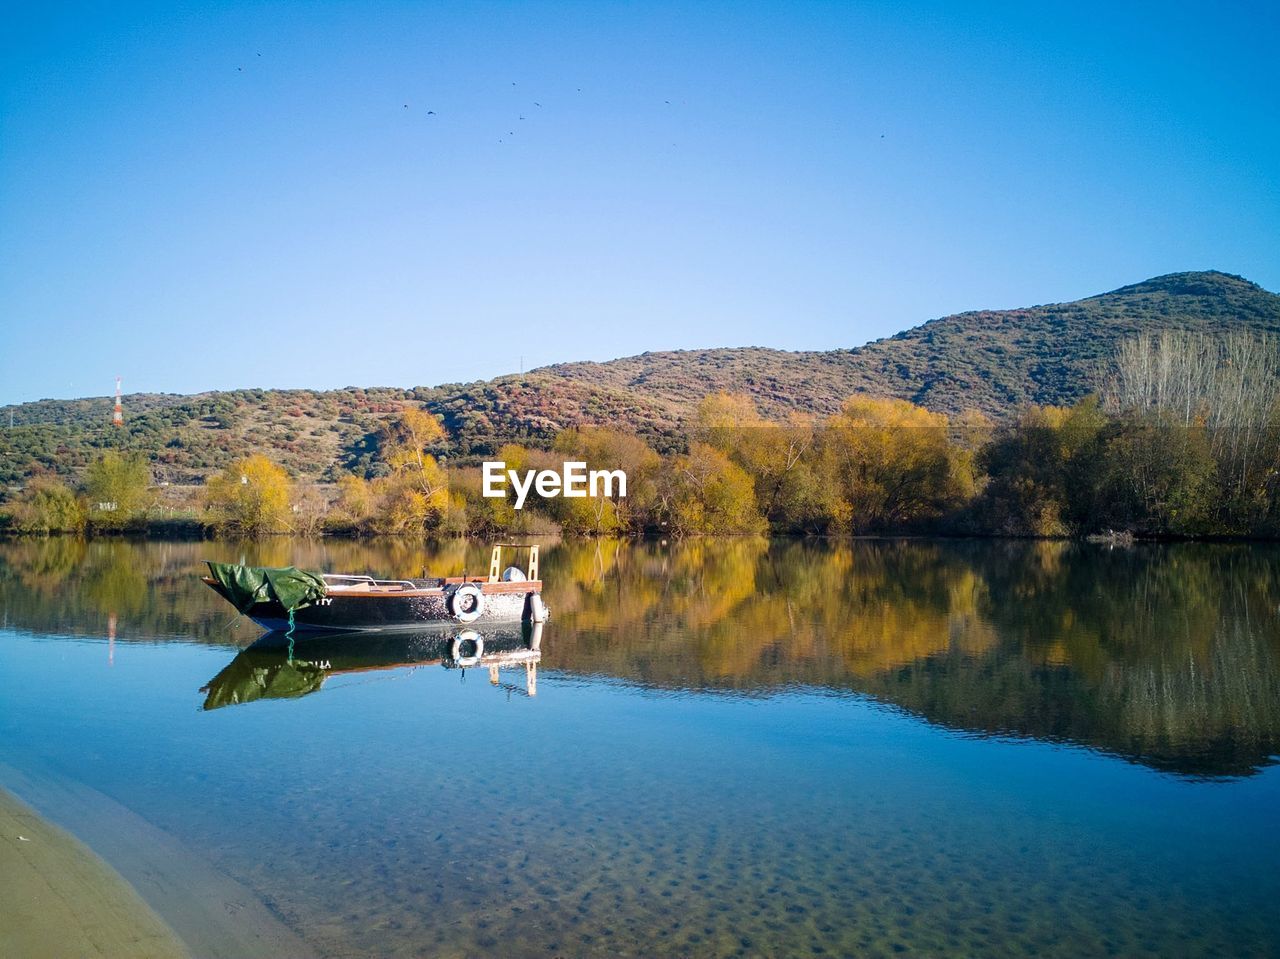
<point x="250" y="497"/>
<point x="47" y="505"/>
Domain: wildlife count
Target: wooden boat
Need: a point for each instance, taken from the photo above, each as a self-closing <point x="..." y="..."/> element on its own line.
<point x="283" y="599"/>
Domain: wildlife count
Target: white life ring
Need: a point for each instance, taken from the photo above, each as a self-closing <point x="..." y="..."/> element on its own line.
<point x="466" y="603"/>
<point x="455" y="648"/>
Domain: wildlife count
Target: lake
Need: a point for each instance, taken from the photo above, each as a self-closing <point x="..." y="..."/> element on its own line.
<point x="726" y="748"/>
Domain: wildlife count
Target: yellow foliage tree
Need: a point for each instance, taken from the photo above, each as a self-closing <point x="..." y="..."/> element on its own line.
<point x="890" y="463"/>
<point x="777" y="456"/>
<point x="603" y="448"/>
<point x="499" y="513"/>
<point x="414" y="496"/>
<point x="250" y="497"/>
<point x="405" y="445"/>
<point x="721" y="418"/>
<point x="709" y="494"/>
<point x="355" y="499"/>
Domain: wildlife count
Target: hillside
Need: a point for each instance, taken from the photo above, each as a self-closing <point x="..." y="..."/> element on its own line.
<point x="996" y="361"/>
<point x="991" y="360"/>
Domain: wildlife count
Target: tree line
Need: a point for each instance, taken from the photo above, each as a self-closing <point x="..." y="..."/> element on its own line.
<point x="1181" y="438"/>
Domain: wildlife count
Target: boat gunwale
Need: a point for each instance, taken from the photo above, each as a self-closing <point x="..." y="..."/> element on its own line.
<point x="343" y="592"/>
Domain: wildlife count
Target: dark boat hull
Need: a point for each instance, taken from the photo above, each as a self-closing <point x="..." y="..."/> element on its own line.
<point x="388" y="611"/>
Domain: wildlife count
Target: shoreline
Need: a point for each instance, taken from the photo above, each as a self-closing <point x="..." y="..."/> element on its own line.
<point x="62" y="899"/>
<point x="150" y="895"/>
<point x="197" y="532"/>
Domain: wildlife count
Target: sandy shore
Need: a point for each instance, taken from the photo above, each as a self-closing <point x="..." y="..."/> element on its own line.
<point x="155" y="898"/>
<point x="62" y="900"/>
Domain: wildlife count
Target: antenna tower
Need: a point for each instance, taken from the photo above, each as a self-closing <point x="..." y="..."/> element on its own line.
<point x="117" y="415"/>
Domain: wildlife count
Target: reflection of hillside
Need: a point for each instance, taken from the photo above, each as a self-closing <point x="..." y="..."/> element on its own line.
<point x="1167" y="655"/>
<point x="66" y="585"/>
<point x="745" y="613"/>
<point x="1224" y="721"/>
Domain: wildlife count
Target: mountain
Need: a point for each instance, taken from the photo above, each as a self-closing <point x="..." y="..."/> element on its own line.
<point x="995" y="361"/>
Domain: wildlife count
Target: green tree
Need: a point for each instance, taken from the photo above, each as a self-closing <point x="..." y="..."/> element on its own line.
<point x="1046" y="472"/>
<point x="117" y="488"/>
<point x="1159" y="475"/>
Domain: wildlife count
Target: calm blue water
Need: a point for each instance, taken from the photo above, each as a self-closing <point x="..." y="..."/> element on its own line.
<point x="754" y="749"/>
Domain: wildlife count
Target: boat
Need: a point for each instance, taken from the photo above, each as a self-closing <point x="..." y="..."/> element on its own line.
<point x="294" y="599"/>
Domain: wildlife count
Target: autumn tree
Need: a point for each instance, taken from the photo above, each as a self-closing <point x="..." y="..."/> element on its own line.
<point x="250" y="497"/>
<point x="777" y="456"/>
<point x="706" y="493"/>
<point x="412" y="493"/>
<point x="1044" y="470"/>
<point x="494" y="514"/>
<point x="608" y="449"/>
<point x="355" y="503"/>
<point x="405" y="446"/>
<point x="889" y="464"/>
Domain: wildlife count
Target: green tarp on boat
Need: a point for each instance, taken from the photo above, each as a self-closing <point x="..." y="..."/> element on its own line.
<point x="291" y="587"/>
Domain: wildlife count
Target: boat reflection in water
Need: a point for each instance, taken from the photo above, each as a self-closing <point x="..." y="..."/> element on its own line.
<point x="271" y="669"/>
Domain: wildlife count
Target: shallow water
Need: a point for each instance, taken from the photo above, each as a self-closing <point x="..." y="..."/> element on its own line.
<point x="732" y="748"/>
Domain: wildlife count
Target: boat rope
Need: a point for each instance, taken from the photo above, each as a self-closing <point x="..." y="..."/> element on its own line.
<point x="289" y="635"/>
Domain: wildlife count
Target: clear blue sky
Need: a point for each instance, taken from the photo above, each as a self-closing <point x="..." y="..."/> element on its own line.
<point x="211" y="196"/>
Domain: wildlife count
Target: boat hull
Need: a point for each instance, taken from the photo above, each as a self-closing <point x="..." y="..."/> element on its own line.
<point x="343" y="611"/>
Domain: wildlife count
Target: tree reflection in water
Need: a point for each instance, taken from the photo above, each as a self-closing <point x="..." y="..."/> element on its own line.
<point x="1165" y="655"/>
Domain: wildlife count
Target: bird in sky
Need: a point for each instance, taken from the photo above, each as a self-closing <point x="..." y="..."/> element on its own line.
<point x="537" y="104"/>
<point x="431" y="113"/>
